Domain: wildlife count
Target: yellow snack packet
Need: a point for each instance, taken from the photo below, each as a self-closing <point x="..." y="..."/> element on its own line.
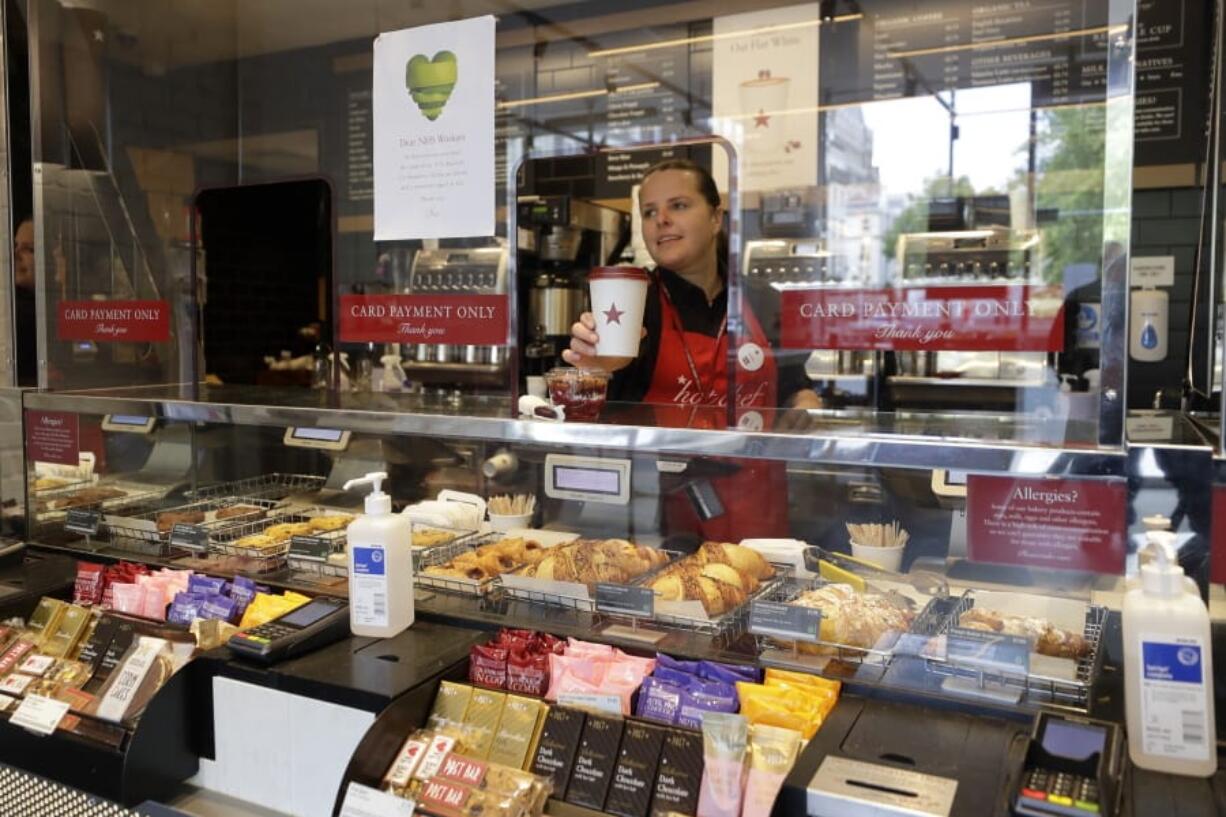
<point x="785" y="707"/>
<point x="804" y="678"/>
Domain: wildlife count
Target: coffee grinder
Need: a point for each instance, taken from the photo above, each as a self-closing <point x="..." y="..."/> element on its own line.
<point x="562" y="237"/>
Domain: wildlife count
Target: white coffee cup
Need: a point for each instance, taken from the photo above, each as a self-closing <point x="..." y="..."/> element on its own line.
<point x="618" y="297"/>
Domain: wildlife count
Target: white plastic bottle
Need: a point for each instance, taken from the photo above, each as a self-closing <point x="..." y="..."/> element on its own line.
<point x="380" y="565"/>
<point x="1168" y="668"/>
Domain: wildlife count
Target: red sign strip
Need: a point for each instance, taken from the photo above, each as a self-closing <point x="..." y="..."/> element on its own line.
<point x="106" y="321"/>
<point x="1061" y="524"/>
<point x="1017" y="318"/>
<point x="460" y="319"/>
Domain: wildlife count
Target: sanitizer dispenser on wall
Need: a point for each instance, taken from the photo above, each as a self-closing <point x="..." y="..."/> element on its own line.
<point x="1149" y="325"/>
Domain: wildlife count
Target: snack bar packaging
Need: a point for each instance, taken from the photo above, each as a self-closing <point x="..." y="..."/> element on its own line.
<point x="781" y="706"/>
<point x="450" y="704"/>
<point x="487" y="666"/>
<point x="63" y="640"/>
<point x="528" y="672"/>
<point x="44" y="619"/>
<point x="630" y="791"/>
<point x="772" y="751"/>
<point x="679" y="774"/>
<point x="725" y="743"/>
<point x="129" y="688"/>
<point x="482" y="717"/>
<point x="516" y="731"/>
<point x="700" y="697"/>
<point x="400" y="773"/>
<point x="728" y="673"/>
<point x="445" y="799"/>
<point x="659" y="700"/>
<point x="589" y="782"/>
<point x="527" y="789"/>
<point x="555" y="751"/>
<point x="87" y="590"/>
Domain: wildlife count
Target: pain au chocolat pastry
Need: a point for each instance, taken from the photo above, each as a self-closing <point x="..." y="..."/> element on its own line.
<point x="490" y="560"/>
<point x="1048" y="639"/>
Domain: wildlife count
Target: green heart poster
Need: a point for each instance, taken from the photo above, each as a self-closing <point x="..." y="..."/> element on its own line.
<point x="434" y="131"/>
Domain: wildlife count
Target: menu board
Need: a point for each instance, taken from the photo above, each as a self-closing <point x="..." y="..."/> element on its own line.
<point x="359" y="148"/>
<point x="914" y="49"/>
<point x="1172" y="52"/>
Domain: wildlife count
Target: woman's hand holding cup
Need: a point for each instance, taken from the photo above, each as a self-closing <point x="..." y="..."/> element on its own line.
<point x="582" y="351"/>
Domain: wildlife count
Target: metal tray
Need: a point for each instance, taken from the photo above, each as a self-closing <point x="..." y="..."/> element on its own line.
<point x="727" y="622"/>
<point x="264" y="560"/>
<point x="137" y="496"/>
<point x="266" y="486"/>
<point x="583" y="603"/>
<point x="442" y="554"/>
<point x="125" y="535"/>
<point x="1073" y="694"/>
<point x="924" y="627"/>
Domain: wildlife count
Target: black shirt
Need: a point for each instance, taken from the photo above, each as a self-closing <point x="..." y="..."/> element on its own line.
<point x="631" y="384"/>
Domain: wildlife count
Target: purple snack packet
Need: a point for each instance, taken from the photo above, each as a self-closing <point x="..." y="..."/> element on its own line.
<point x="705" y="696"/>
<point x="219" y="607"/>
<point x="669" y="662"/>
<point x="242" y="594"/>
<point x="727" y="673"/>
<point x="659" y="700"/>
<point x="673" y="676"/>
<point x="205" y="585"/>
<point x="184" y="609"/>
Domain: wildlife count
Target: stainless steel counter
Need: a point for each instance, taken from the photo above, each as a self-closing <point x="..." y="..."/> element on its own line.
<point x="978" y="441"/>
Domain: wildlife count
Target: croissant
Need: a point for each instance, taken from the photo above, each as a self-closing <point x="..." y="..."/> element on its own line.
<point x="471" y="573"/>
<point x="683" y="585"/>
<point x="730" y="575"/>
<point x="746" y="560"/>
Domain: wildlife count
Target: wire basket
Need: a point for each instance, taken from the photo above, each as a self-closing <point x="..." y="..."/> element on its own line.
<point x="1073" y="694"/>
<point x="726" y="623"/>
<point x="266" y="486"/>
<point x="267" y="558"/>
<point x="316" y="567"/>
<point x="583" y="599"/>
<point x="137" y="497"/>
<point x="783" y="652"/>
<point x="127" y="532"/>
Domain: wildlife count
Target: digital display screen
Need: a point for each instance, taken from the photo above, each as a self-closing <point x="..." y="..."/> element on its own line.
<point x="591" y="480"/>
<point x="307" y="614"/>
<point x="955" y="477"/>
<point x="327" y="435"/>
<point x="1076" y="741"/>
<point x="128" y="420"/>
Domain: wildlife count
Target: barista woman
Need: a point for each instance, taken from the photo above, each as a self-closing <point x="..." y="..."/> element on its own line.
<point x="681" y="368"/>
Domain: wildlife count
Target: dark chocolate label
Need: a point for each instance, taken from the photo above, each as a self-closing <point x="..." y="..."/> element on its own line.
<point x="679" y="774"/>
<point x="98" y="641"/>
<point x="635" y="771"/>
<point x="555" y="753"/>
<point x="125" y="633"/>
<point x="589" y="782"/>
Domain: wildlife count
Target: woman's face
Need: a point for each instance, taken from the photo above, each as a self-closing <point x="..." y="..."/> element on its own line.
<point x="679" y="226"/>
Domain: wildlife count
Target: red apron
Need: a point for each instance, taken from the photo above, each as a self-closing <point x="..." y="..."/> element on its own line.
<point x="689" y="389"/>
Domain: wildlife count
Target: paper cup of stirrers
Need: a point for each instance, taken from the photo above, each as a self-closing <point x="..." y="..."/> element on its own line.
<point x="883" y="545"/>
<point x="508" y="512"/>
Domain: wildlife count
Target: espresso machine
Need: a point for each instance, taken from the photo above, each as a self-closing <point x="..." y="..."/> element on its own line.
<point x="843" y="377"/>
<point x="457" y="271"/>
<point x="969" y="242"/>
<point x="560" y="239"/>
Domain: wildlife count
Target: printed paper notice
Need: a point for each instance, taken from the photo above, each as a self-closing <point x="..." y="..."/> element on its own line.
<point x="764" y="95"/>
<point x="434" y="131"/>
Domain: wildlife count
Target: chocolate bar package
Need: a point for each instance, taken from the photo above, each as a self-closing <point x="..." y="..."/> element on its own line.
<point x="482" y="717"/>
<point x="594" y="762"/>
<point x="96" y="643"/>
<point x="121" y="640"/>
<point x="634" y="774"/>
<point x="515" y="731"/>
<point x="450" y="704"/>
<point x="555" y="752"/>
<point x="679" y="775"/>
<point x="61" y="642"/>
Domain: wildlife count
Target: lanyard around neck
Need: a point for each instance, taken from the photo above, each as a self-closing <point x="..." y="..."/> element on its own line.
<point x="685" y="347"/>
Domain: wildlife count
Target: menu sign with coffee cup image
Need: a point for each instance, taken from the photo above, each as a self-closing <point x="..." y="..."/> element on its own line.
<point x="764" y="90"/>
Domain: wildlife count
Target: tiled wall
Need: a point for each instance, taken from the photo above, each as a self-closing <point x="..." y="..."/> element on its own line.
<point x="1166" y="222"/>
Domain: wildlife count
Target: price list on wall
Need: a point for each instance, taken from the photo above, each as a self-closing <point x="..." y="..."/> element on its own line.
<point x="1172" y="53"/>
<point x="916" y="49"/>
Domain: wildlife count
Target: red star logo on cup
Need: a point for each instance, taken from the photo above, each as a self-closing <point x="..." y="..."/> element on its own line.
<point x="761" y="119"/>
<point x="613" y="315"/>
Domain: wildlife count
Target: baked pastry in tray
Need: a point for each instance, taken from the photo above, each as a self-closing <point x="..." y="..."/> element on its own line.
<point x="1048" y="639"/>
<point x="588" y="561"/>
<point x="239" y="510"/>
<point x="860" y="620"/>
<point x="489" y="560"/>
<point x="168" y="519"/>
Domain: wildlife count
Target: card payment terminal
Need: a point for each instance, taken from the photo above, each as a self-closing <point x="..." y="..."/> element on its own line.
<point x="1072" y="768"/>
<point x="315" y="624"/>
